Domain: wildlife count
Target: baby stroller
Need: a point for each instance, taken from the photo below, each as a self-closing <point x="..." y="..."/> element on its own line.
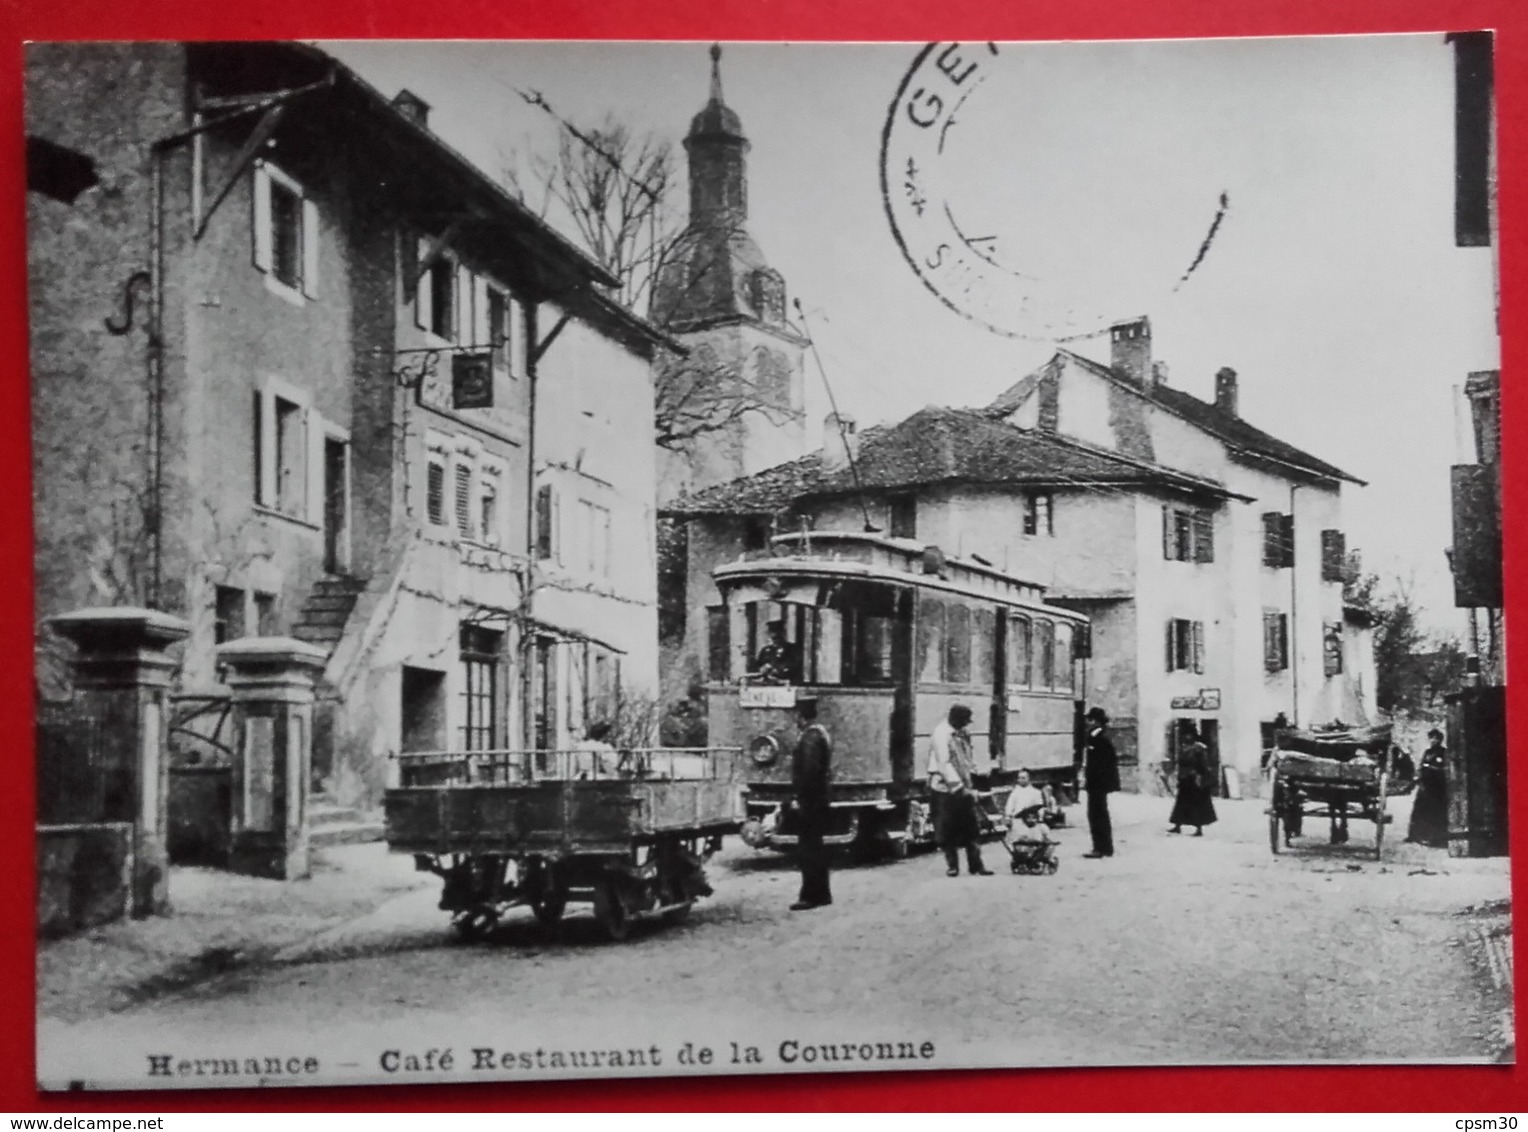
<point x="1030" y="850"/>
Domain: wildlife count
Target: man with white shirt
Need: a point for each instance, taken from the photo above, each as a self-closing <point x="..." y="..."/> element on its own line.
<point x="950" y="767"/>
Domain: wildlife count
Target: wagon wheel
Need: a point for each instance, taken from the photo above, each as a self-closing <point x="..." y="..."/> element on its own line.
<point x="1273" y="814"/>
<point x="610" y="912"/>
<point x="1379" y="818"/>
<point x="474" y="923"/>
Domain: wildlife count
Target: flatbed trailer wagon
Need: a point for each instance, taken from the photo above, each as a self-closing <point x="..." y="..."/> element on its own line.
<point x="1337" y="776"/>
<point x="543" y="829"/>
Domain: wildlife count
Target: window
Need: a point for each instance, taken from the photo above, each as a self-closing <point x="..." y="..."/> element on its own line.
<point x="463" y="499"/>
<point x="1278" y="540"/>
<point x="435" y="297"/>
<point x="488" y="513"/>
<point x="286" y="233"/>
<point x="1188" y="536"/>
<point x="1334" y="556"/>
<point x="903" y="516"/>
<point x="755" y="533"/>
<point x="1064" y="672"/>
<point x="983" y="632"/>
<point x="1185" y="646"/>
<point x="499" y="341"/>
<point x="931" y="640"/>
<point x="228" y="614"/>
<point x="1045" y="655"/>
<point x="480" y="649"/>
<point x="957" y="644"/>
<point x="291" y="467"/>
<point x="546" y="521"/>
<point x="1019" y="655"/>
<point x="1275" y="641"/>
<point x="1331" y="642"/>
<point x="1037" y="513"/>
<point x="718" y="644"/>
<point x="265" y="614"/>
<point x="435" y="492"/>
<point x="596" y="538"/>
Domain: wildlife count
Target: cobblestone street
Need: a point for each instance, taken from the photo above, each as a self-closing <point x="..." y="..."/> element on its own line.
<point x="1178" y="950"/>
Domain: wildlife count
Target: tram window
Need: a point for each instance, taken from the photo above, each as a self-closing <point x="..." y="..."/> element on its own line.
<point x="930" y="640"/>
<point x="1063" y="674"/>
<point x="983" y="628"/>
<point x="828" y="655"/>
<point x="718" y="648"/>
<point x="1019" y="651"/>
<point x="872" y="651"/>
<point x="1045" y="654"/>
<point x="957" y="644"/>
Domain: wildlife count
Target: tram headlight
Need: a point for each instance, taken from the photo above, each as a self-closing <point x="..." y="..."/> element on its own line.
<point x="764" y="750"/>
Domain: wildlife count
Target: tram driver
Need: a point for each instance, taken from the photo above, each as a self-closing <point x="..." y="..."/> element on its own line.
<point x="778" y="662"/>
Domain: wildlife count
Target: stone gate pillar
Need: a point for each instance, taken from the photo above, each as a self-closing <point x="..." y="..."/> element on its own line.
<point x="271" y="679"/>
<point x="121" y="674"/>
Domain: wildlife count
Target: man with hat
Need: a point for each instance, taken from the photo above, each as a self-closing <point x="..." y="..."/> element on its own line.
<point x="811" y="774"/>
<point x="1100" y="778"/>
<point x="950" y="767"/>
<point x="778" y="661"/>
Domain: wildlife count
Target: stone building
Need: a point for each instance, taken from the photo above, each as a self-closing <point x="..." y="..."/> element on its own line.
<point x="294" y="361"/>
<point x="1208" y="554"/>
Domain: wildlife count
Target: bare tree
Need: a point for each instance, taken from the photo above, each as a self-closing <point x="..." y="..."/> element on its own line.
<point x="615" y="190"/>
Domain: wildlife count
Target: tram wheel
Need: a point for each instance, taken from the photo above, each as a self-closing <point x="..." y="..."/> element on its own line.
<point x="610" y="912"/>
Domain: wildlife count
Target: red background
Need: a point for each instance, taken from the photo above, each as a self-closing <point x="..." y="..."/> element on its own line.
<point x="1463" y="1089"/>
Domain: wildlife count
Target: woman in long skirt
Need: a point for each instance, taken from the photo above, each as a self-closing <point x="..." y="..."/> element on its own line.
<point x="1194" y="804"/>
<point x="1429" y="809"/>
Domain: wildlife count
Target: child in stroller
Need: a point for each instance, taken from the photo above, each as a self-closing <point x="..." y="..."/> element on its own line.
<point x="1028" y="841"/>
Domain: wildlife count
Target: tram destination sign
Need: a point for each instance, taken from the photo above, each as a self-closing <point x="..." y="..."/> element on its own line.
<point x="767" y="696"/>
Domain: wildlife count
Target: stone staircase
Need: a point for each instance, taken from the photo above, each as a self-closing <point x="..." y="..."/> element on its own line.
<point x="331" y="824"/>
<point x="322" y="619"/>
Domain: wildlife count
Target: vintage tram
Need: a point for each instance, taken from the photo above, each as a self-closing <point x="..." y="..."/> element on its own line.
<point x="888" y="635"/>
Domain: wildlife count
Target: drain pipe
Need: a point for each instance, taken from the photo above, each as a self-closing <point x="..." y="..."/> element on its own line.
<point x="1294" y="611"/>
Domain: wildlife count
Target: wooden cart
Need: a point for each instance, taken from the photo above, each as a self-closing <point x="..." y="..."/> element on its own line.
<point x="545" y="828"/>
<point x="1333" y="777"/>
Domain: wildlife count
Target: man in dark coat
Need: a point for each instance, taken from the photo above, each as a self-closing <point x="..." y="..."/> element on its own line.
<point x="1100" y="774"/>
<point x="811" y="773"/>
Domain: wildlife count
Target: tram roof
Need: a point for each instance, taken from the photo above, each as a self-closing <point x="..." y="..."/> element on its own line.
<point x="873" y="557"/>
<point x="939" y="445"/>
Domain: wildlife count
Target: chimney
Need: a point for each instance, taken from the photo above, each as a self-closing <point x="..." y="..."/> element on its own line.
<point x="1159" y="373"/>
<point x="1130" y="348"/>
<point x="1225" y="391"/>
<point x="840" y="441"/>
<point x="412" y="107"/>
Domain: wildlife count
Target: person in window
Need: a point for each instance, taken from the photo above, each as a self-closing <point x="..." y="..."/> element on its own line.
<point x="777" y="662"/>
<point x="1100" y="778"/>
<point x="811" y="776"/>
<point x="951" y="765"/>
<point x="1429" y="810"/>
<point x="1194" y="804"/>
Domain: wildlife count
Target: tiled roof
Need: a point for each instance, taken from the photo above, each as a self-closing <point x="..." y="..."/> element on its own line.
<point x="940" y="445"/>
<point x="1228" y="427"/>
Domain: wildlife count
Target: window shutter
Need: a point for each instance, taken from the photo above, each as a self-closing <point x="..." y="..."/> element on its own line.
<point x="466" y="290"/>
<point x="424" y="293"/>
<point x="1333" y="555"/>
<point x="1198" y="635"/>
<point x="262" y="430"/>
<point x="309" y="248"/>
<point x="1283" y="636"/>
<point x="262" y="216"/>
<point x="1169" y="534"/>
<point x="1287" y="539"/>
<point x="1204" y="536"/>
<point x="435" y="493"/>
<point x="1271" y="554"/>
<point x="1172" y="643"/>
<point x="1270" y="642"/>
<point x="544" y="521"/>
<point x="463" y="500"/>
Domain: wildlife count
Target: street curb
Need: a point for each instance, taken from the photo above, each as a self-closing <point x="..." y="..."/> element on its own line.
<point x="1494" y="945"/>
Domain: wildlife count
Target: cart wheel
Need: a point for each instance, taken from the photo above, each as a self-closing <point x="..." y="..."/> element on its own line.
<point x="610" y="912"/>
<point x="678" y="915"/>
<point x="1273" y="813"/>
<point x="1052" y="865"/>
<point x="475" y="923"/>
<point x="549" y="908"/>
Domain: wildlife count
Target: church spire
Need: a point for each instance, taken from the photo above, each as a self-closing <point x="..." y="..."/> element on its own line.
<point x="716" y="73"/>
<point x="716" y="146"/>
